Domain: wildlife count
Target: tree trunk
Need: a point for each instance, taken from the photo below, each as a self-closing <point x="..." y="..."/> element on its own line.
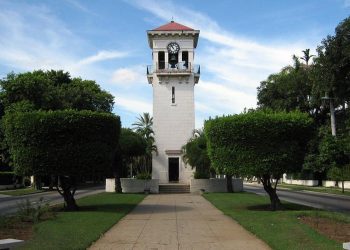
<point x="117" y="171"/>
<point x="37" y="182"/>
<point x="229" y="183"/>
<point x="52" y="182"/>
<point x="118" y="184"/>
<point x="68" y="188"/>
<point x="275" y="201"/>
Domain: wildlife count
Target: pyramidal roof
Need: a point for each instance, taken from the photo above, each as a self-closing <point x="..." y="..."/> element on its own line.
<point x="172" y="26"/>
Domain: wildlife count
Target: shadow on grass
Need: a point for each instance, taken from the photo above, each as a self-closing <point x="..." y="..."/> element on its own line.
<point x="284" y="207"/>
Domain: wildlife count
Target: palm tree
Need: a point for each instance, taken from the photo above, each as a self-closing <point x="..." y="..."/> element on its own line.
<point x="143" y="126"/>
<point x="306" y="56"/>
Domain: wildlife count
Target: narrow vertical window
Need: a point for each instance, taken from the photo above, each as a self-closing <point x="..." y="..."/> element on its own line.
<point x="161" y="60"/>
<point x="173" y="94"/>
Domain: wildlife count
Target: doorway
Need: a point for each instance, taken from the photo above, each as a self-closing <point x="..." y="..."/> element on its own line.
<point x="173" y="169"/>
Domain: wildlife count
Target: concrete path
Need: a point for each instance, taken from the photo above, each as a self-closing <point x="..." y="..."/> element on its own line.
<point x="177" y="221"/>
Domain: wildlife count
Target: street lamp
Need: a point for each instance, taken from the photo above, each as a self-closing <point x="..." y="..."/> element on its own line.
<point x="332" y="111"/>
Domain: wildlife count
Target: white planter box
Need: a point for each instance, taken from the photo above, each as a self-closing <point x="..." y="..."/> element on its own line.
<point x="139" y="186"/>
<point x="215" y="185"/>
<point x="110" y="185"/>
<point x="130" y="185"/>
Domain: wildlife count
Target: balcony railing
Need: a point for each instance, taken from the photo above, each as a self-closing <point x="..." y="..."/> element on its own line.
<point x="178" y="68"/>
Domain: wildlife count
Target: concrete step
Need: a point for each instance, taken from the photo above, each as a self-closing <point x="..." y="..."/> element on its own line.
<point x="174" y="188"/>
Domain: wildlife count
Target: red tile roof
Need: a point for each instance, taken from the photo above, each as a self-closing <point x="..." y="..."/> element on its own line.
<point x="172" y="26"/>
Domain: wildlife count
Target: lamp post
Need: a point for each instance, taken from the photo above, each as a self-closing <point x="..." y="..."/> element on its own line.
<point x="332" y="111"/>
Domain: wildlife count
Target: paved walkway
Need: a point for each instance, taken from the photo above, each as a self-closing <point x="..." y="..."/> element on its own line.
<point x="177" y="221"/>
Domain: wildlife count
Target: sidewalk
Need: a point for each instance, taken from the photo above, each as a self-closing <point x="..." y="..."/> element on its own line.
<point x="177" y="221"/>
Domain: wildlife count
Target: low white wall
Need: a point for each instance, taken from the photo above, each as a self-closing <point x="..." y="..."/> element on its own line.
<point x="130" y="185"/>
<point x="215" y="185"/>
<point x="332" y="184"/>
<point x="139" y="186"/>
<point x="328" y="183"/>
<point x="310" y="183"/>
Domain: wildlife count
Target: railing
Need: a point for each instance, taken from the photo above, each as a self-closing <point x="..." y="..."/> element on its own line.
<point x="180" y="67"/>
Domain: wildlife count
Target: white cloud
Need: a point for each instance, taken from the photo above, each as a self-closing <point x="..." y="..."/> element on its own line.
<point x="134" y="104"/>
<point x="130" y="76"/>
<point x="102" y="56"/>
<point x="222" y="99"/>
<point x="80" y="7"/>
<point x="34" y="38"/>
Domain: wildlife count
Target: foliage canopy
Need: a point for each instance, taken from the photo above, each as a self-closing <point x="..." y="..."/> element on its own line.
<point x="259" y="143"/>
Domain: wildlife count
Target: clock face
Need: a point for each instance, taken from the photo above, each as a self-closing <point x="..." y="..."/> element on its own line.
<point x="173" y="48"/>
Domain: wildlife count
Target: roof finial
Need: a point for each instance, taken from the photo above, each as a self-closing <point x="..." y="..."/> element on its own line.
<point x="172" y="19"/>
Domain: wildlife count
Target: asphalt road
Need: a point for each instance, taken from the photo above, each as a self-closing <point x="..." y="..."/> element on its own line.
<point x="332" y="202"/>
<point x="9" y="204"/>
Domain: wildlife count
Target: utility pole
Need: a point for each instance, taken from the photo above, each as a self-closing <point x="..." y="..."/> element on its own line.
<point x="333" y="127"/>
<point x="331" y="107"/>
<point x="332" y="111"/>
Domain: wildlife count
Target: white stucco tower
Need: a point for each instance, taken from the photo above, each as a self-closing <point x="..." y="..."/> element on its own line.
<point x="173" y="75"/>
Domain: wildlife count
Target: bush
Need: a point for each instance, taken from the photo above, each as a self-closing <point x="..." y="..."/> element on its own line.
<point x="144" y="176"/>
<point x="201" y="175"/>
<point x="7" y="178"/>
<point x="28" y="212"/>
<point x="69" y="144"/>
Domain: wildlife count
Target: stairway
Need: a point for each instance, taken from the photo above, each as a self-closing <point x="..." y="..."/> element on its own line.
<point x="174" y="188"/>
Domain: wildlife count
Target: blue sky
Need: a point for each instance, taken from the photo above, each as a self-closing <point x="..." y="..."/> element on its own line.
<point x="241" y="43"/>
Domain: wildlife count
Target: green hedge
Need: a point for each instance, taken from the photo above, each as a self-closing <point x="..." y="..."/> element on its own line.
<point x="258" y="143"/>
<point x="68" y="143"/>
<point x="7" y="178"/>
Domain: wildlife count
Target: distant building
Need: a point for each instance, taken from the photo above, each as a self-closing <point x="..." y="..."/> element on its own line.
<point x="173" y="75"/>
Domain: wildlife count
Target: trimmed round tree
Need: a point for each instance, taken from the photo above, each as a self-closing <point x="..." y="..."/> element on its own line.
<point x="68" y="144"/>
<point x="259" y="143"/>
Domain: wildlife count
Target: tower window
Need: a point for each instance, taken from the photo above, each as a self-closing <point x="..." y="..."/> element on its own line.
<point x="172" y="94"/>
<point x="161" y="60"/>
<point x="173" y="60"/>
<point x="185" y="58"/>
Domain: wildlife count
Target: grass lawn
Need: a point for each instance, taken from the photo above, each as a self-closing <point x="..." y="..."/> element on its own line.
<point x="77" y="230"/>
<point x="280" y="229"/>
<point x="21" y="191"/>
<point x="329" y="190"/>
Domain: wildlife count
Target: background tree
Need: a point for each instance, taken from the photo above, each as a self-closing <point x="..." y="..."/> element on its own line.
<point x="54" y="90"/>
<point x="196" y="155"/>
<point x="334" y="154"/>
<point x="131" y="147"/>
<point x="260" y="144"/>
<point x="144" y="127"/>
<point x="68" y="144"/>
<point x="306" y="57"/>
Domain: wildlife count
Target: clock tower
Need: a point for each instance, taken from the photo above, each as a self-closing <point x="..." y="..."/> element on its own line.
<point x="173" y="76"/>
